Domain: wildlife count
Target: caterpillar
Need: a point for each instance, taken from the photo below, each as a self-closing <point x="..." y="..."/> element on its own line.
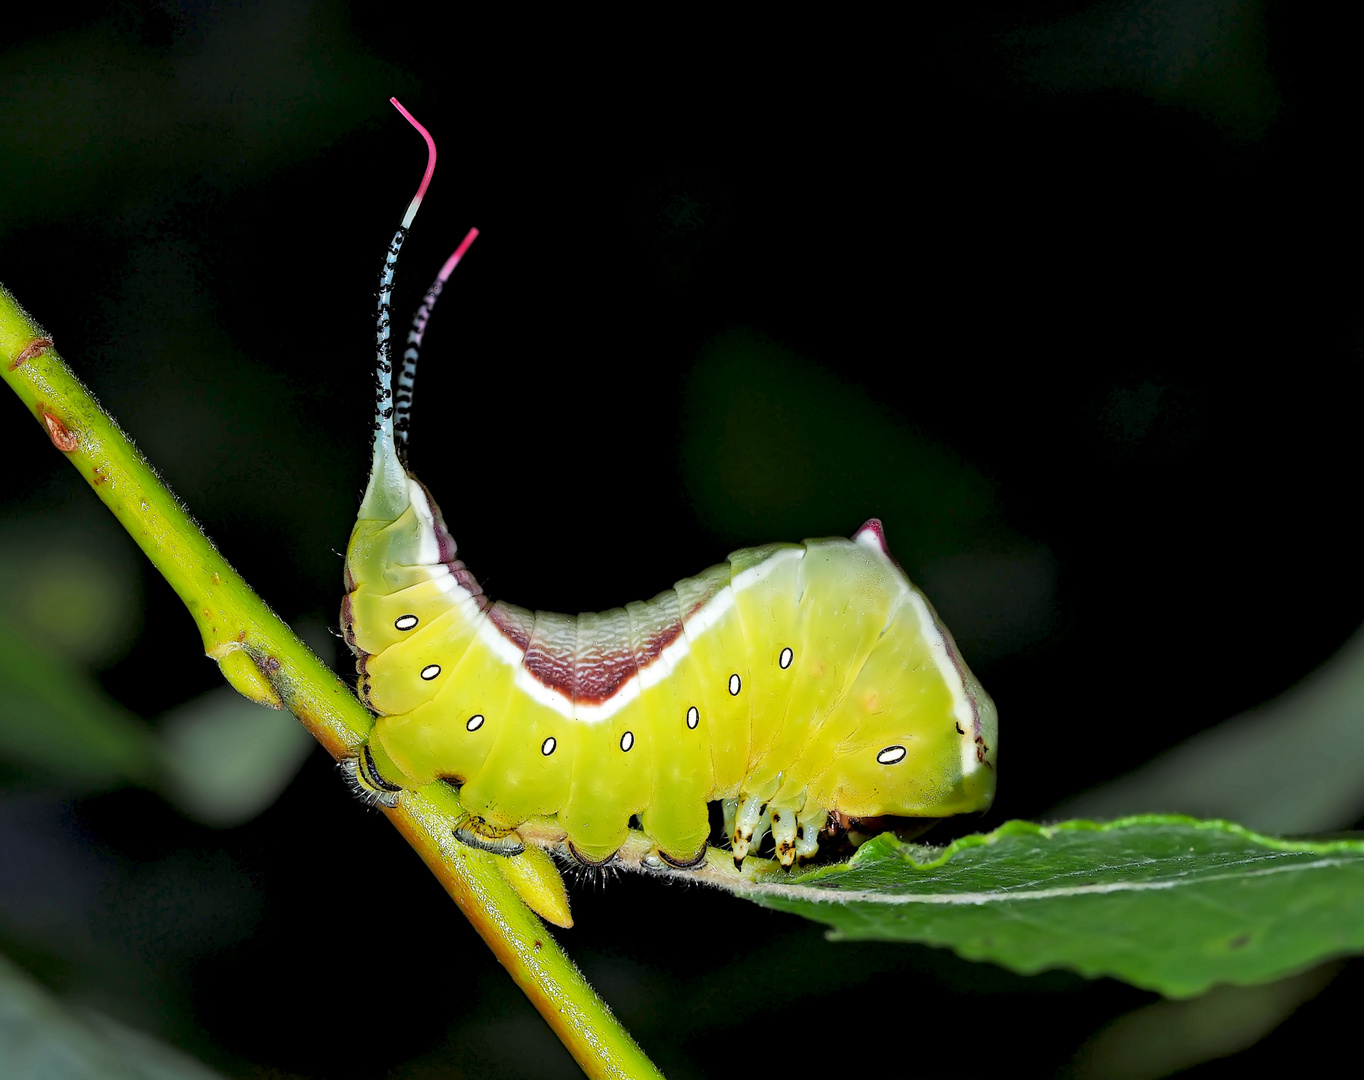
<point x="796" y="684"/>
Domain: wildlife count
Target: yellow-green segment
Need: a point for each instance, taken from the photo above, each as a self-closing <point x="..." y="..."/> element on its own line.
<point x="793" y="682"/>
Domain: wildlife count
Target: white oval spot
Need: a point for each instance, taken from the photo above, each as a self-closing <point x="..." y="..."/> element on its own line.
<point x="785" y="659"/>
<point x="430" y="671"/>
<point x="693" y="718"/>
<point x="891" y="755"/>
<point x="627" y="740"/>
<point x="406" y="622"/>
<point x="547" y="747"/>
<point x="475" y="722"/>
<point x="734" y="685"/>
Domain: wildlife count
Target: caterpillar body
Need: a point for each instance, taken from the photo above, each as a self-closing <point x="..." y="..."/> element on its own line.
<point x="795" y="683"/>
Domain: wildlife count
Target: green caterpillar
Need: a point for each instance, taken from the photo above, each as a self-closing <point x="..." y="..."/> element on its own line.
<point x="799" y="684"/>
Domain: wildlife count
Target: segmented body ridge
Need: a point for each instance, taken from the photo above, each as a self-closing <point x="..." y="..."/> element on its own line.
<point x="782" y="681"/>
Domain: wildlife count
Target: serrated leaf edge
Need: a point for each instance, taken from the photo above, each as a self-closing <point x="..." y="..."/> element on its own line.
<point x="885" y="848"/>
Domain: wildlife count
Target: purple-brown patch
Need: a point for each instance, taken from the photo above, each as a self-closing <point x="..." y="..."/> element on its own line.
<point x="549" y="653"/>
<point x="514" y="623"/>
<point x="601" y="670"/>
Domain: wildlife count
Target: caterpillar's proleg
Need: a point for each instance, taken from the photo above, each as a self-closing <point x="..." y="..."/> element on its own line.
<point x="365" y="782"/>
<point x="750" y="826"/>
<point x="479" y="834"/>
<point x="691" y="863"/>
<point x="589" y="864"/>
<point x="784" y="829"/>
<point x="812" y="823"/>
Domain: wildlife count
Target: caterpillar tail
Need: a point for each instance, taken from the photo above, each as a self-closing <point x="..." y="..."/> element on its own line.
<point x="528" y="870"/>
<point x="537" y="881"/>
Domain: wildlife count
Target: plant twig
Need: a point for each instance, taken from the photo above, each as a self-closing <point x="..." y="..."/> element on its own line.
<point x="265" y="660"/>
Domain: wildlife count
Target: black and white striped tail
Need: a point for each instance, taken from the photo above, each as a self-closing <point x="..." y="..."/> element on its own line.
<point x="386" y="494"/>
<point x="383" y="375"/>
<point x="407" y="374"/>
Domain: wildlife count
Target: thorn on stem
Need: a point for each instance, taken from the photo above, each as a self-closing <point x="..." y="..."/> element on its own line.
<point x="34" y="348"/>
<point x="63" y="438"/>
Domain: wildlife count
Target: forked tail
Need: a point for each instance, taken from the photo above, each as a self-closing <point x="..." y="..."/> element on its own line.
<point x="386" y="496"/>
<point x="407" y="375"/>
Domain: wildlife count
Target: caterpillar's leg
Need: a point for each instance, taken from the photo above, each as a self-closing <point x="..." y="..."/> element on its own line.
<point x="749" y="813"/>
<point x="784" y="828"/>
<point x="750" y="827"/>
<point x="761" y="830"/>
<point x="694" y="863"/>
<point x="586" y="860"/>
<point x="366" y="782"/>
<point x="477" y="833"/>
<point x="730" y="808"/>
<point x="812" y="820"/>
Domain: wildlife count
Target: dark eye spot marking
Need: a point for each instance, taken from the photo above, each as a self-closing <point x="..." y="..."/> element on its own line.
<point x="734" y="685"/>
<point x="430" y="671"/>
<point x="475" y="722"/>
<point x="547" y="747"/>
<point x="627" y="740"/>
<point x="891" y="755"/>
<point x="785" y="659"/>
<point x="406" y="622"/>
<point x="693" y="718"/>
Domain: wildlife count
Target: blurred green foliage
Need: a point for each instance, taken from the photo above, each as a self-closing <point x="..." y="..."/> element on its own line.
<point x="41" y="1039"/>
<point x="72" y="603"/>
<point x="775" y="445"/>
<point x="227" y="758"/>
<point x="1170" y="1036"/>
<point x="91" y="106"/>
<point x="54" y="717"/>
<point x="219" y="757"/>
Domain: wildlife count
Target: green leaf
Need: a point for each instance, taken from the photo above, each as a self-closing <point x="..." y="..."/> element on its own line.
<point x="72" y="581"/>
<point x="1293" y="765"/>
<point x="1161" y="1039"/>
<point x="1167" y="903"/>
<point x="227" y="758"/>
<point x="766" y="453"/>
<point x="54" y="717"/>
<point x="40" y="1039"/>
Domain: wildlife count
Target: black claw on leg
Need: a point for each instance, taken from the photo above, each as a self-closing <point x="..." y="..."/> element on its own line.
<point x="591" y="864"/>
<point x="694" y="863"/>
<point x="364" y="780"/>
<point x="500" y="842"/>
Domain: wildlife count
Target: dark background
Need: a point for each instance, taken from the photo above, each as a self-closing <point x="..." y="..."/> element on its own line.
<point x="1088" y="269"/>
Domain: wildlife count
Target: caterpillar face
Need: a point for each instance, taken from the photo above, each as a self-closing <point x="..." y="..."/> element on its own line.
<point x="792" y="683"/>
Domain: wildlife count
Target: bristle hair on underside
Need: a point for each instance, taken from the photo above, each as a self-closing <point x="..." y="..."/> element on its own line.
<point x="350" y="773"/>
<point x="582" y="874"/>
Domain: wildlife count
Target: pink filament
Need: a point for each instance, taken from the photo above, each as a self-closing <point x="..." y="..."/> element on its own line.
<point x="430" y="162"/>
<point x="453" y="260"/>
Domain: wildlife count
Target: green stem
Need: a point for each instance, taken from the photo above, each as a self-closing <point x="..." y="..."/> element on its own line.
<point x="266" y="661"/>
